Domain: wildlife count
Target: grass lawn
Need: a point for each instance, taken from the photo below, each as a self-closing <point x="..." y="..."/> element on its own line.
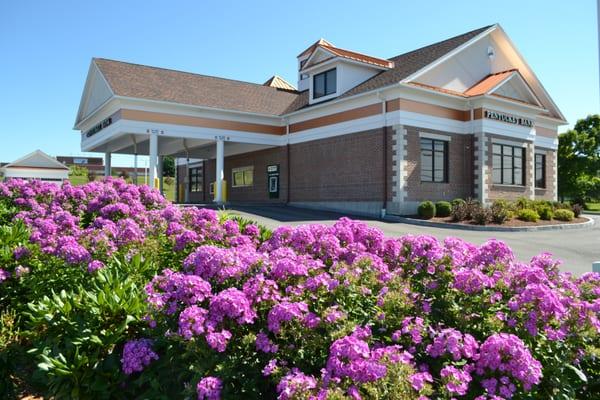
<point x="168" y="189"/>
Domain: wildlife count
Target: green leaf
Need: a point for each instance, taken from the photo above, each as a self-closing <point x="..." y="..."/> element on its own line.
<point x="578" y="372"/>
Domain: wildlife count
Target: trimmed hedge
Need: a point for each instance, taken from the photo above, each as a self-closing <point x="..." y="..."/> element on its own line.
<point x="443" y="209"/>
<point x="426" y="210"/>
<point x="564" y="215"/>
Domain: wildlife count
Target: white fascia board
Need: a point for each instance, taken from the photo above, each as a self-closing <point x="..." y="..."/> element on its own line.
<point x="524" y="61"/>
<point x="550" y="122"/>
<point x="312" y="55"/>
<point x="126" y="127"/>
<point x="546" y="142"/>
<point x="105" y="110"/>
<point x="450" y="54"/>
<point x="506" y="105"/>
<point x="418" y="120"/>
<point x="342" y="128"/>
<point x="503" y="129"/>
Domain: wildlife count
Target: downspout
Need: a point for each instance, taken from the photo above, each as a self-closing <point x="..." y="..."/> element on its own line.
<point x="287" y="158"/>
<point x="385" y="157"/>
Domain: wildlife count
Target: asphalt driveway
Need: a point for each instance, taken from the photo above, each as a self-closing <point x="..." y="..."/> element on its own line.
<point x="577" y="248"/>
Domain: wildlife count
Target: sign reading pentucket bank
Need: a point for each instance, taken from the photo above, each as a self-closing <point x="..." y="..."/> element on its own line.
<point x="509" y="119"/>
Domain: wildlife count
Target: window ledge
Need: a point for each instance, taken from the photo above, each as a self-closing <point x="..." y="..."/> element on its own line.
<point x="501" y="185"/>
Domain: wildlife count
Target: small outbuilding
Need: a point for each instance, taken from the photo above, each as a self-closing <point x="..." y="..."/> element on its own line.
<point x="36" y="165"/>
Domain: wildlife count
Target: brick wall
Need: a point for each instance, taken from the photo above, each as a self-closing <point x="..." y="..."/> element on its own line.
<point x="343" y="168"/>
<point x="259" y="160"/>
<point x="460" y="168"/>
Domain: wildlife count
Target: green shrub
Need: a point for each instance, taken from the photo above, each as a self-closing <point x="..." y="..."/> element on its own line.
<point x="481" y="215"/>
<point x="457" y="201"/>
<point x="426" y="210"/>
<point x="527" y="214"/>
<point x="524" y="203"/>
<point x="499" y="212"/>
<point x="545" y="212"/>
<point x="564" y="215"/>
<point x="443" y="209"/>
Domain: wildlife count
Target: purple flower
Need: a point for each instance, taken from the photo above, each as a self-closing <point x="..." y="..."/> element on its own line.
<point x="137" y="354"/>
<point x="191" y="321"/>
<point x="94" y="266"/>
<point x="209" y="388"/>
<point x="295" y="385"/>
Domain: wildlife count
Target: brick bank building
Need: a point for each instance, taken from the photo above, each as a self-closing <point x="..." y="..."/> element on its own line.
<point x="464" y="117"/>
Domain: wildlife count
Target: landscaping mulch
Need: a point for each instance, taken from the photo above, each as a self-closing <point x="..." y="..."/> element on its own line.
<point x="510" y="223"/>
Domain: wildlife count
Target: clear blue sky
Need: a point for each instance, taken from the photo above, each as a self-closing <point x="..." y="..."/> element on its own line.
<point x="46" y="47"/>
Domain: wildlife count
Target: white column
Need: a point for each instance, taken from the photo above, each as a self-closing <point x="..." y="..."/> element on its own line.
<point x="135" y="169"/>
<point x="219" y="171"/>
<point x="107" y="166"/>
<point x="481" y="165"/>
<point x="153" y="158"/>
<point x="160" y="173"/>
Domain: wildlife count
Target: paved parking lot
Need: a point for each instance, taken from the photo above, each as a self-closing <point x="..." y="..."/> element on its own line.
<point x="576" y="248"/>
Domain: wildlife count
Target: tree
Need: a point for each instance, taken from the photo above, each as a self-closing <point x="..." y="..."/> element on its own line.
<point x="168" y="166"/>
<point x="579" y="158"/>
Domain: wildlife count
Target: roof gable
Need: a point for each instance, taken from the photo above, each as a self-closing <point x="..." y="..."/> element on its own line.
<point x="324" y="52"/>
<point x="487" y="56"/>
<point x="407" y="64"/>
<point x="95" y="93"/>
<point x="37" y="159"/>
<point x="279" y="83"/>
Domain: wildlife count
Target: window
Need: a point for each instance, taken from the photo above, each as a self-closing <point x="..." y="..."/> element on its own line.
<point x="324" y="83"/>
<point x="243" y="176"/>
<point x="540" y="171"/>
<point x="434" y="160"/>
<point x="507" y="165"/>
<point x="195" y="178"/>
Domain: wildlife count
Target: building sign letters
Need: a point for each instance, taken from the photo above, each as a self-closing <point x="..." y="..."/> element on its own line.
<point x="509" y="119"/>
<point x="97" y="128"/>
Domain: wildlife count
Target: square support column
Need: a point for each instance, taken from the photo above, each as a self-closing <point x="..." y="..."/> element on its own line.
<point x="219" y="171"/>
<point x="152" y="173"/>
<point x="107" y="162"/>
<point x="135" y="168"/>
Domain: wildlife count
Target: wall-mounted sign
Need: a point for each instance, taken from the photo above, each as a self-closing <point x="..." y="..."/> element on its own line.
<point x="97" y="128"/>
<point x="508" y="118"/>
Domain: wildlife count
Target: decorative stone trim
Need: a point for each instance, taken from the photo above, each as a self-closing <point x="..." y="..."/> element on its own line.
<point x="530" y="161"/>
<point x="399" y="173"/>
<point x="481" y="167"/>
<point x="555" y="175"/>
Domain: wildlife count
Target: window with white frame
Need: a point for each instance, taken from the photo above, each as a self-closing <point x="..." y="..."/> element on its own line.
<point x="324" y="83"/>
<point x="243" y="176"/>
<point x="508" y="164"/>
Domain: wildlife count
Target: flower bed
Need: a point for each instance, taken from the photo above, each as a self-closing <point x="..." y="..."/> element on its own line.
<point x="109" y="291"/>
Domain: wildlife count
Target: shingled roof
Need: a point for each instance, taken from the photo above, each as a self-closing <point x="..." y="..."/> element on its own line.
<point x="140" y="81"/>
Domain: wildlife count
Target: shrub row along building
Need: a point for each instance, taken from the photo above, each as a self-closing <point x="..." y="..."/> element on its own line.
<point x="465" y="117"/>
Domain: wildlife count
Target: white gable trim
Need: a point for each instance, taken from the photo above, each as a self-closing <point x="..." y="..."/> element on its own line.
<point x="516" y="75"/>
<point x="533" y="74"/>
<point x="449" y="55"/>
<point x="313" y="55"/>
<point x="51" y="161"/>
<point x="93" y="72"/>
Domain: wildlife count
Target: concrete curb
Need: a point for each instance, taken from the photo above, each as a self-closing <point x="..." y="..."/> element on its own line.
<point x="413" y="221"/>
